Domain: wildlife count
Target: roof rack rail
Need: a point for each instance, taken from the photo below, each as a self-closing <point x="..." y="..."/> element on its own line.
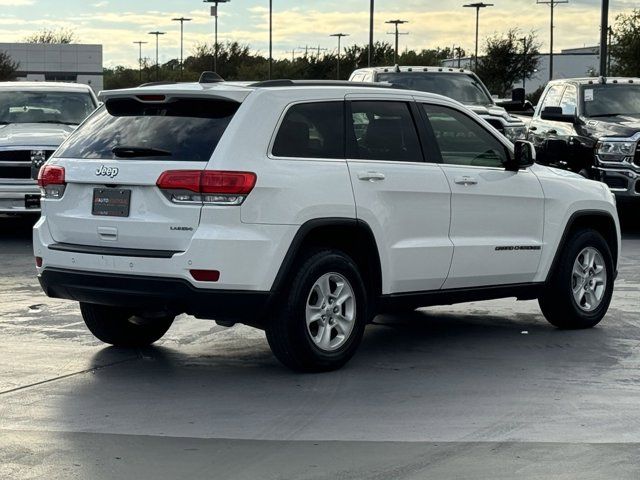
<point x="157" y="84"/>
<point x="210" y="77"/>
<point x="318" y="83"/>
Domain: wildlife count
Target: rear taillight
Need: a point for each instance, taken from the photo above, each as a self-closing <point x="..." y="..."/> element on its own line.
<point x="212" y="187"/>
<point x="51" y="181"/>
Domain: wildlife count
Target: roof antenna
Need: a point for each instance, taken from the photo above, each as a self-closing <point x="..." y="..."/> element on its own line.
<point x="210" y="77"/>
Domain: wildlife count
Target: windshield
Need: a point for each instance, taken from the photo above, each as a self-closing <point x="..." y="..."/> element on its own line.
<point x="611" y="100"/>
<point x="185" y="129"/>
<point x="461" y="87"/>
<point x="44" y="107"/>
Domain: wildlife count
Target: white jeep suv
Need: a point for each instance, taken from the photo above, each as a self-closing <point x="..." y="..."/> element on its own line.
<point x="305" y="209"/>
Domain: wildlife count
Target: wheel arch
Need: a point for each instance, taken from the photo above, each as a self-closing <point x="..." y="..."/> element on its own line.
<point x="600" y="221"/>
<point x="350" y="235"/>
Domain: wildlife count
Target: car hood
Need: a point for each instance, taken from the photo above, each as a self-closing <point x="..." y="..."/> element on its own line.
<point x="493" y="110"/>
<point x="618" y="126"/>
<point x="34" y="134"/>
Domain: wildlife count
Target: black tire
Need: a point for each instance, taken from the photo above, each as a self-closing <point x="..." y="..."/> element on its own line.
<point x="121" y="328"/>
<point x="557" y="302"/>
<point x="287" y="331"/>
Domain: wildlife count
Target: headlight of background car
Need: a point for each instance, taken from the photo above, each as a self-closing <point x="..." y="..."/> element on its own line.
<point x="615" y="150"/>
<point x="515" y="133"/>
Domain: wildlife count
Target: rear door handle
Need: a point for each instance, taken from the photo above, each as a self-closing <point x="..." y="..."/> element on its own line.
<point x="533" y="129"/>
<point x="552" y="132"/>
<point x="371" y="176"/>
<point x="465" y="180"/>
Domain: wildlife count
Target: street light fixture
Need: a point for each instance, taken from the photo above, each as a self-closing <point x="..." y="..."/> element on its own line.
<point x="477" y="6"/>
<point x="214" y="14"/>
<point x="181" y="20"/>
<point x="552" y="4"/>
<point x="397" y="33"/>
<point x="140" y="56"/>
<point x="157" y="34"/>
<point x="339" y="36"/>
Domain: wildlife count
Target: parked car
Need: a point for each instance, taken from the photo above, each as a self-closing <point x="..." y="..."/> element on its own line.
<point x="592" y="126"/>
<point x="457" y="83"/>
<point x="341" y="202"/>
<point x="35" y="117"/>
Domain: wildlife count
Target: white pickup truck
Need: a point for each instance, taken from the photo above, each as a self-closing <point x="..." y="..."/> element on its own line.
<point x="35" y="117"/>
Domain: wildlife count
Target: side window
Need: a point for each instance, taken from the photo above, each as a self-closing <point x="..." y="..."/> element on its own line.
<point x="385" y="131"/>
<point x="462" y="141"/>
<point x="312" y="130"/>
<point x="569" y="100"/>
<point x="553" y="97"/>
<point x="358" y="77"/>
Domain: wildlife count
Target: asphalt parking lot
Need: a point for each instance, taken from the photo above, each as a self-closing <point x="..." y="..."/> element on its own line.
<point x="485" y="391"/>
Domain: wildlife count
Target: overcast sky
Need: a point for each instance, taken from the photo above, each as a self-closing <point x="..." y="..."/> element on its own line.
<point x="117" y="23"/>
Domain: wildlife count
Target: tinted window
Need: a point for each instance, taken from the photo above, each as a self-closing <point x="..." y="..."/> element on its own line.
<point x="462" y="141"/>
<point x="385" y="131"/>
<point x="569" y="100"/>
<point x="553" y="96"/>
<point x="45" y="107"/>
<point x="611" y="100"/>
<point x="312" y="130"/>
<point x="185" y="129"/>
<point x="464" y="88"/>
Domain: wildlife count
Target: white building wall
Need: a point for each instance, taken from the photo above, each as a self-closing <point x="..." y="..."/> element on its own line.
<point x="570" y="63"/>
<point x="73" y="62"/>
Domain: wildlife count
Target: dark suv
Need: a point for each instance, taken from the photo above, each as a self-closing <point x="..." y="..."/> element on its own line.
<point x="591" y="126"/>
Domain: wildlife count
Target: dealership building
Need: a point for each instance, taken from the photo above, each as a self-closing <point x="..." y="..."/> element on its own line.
<point x="568" y="63"/>
<point x="75" y="63"/>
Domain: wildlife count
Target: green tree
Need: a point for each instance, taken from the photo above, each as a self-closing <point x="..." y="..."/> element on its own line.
<point x="508" y="59"/>
<point x="46" y="35"/>
<point x="625" y="51"/>
<point x="7" y="67"/>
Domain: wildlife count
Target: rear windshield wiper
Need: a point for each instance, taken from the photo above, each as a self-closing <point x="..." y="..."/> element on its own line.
<point x="133" y="152"/>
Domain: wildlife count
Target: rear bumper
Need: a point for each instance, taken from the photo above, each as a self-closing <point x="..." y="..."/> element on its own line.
<point x="155" y="293"/>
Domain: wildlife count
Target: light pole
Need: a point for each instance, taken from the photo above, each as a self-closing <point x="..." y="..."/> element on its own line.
<point x="371" y="12"/>
<point x="477" y="6"/>
<point x="214" y="14"/>
<point x="140" y="56"/>
<point x="339" y="36"/>
<point x="524" y="61"/>
<point x="270" y="38"/>
<point x="604" y="30"/>
<point x="157" y="34"/>
<point x="396" y="33"/>
<point x="552" y="4"/>
<point x="181" y="20"/>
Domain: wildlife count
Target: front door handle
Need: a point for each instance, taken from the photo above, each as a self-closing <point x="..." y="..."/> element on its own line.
<point x="371" y="176"/>
<point x="465" y="180"/>
<point x="551" y="132"/>
<point x="533" y="129"/>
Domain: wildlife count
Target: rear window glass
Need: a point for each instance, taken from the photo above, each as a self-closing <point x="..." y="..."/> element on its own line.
<point x="312" y="130"/>
<point x="179" y="130"/>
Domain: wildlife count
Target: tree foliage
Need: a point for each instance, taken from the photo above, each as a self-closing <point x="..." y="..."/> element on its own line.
<point x="508" y="58"/>
<point x="8" y="67"/>
<point x="625" y="51"/>
<point x="50" y="36"/>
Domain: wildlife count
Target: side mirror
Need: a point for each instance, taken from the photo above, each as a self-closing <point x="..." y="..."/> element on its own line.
<point x="524" y="155"/>
<point x="555" y="114"/>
